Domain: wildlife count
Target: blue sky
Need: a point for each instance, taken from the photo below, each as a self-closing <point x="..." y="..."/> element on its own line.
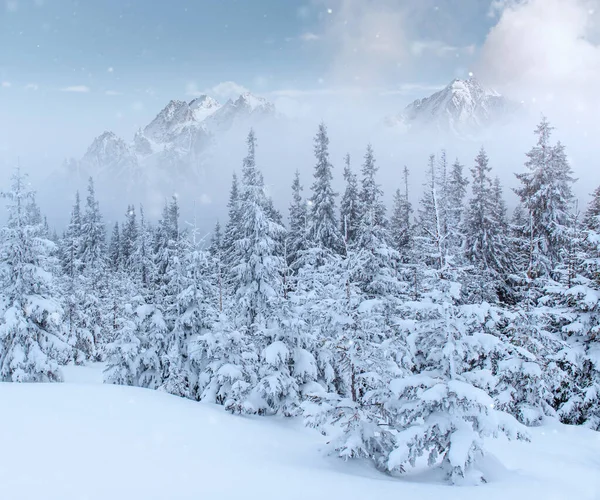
<point x="71" y="69"/>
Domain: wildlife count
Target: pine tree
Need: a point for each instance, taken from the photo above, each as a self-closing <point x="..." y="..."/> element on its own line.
<point x="457" y="192"/>
<point x="400" y="223"/>
<point x="439" y="411"/>
<point x="232" y="228"/>
<point x="349" y="207"/>
<point x="258" y="266"/>
<point x="114" y="249"/>
<point x="31" y="342"/>
<point x="376" y="274"/>
<point x="546" y="194"/>
<point x="297" y="240"/>
<point x="128" y="239"/>
<point x="486" y="224"/>
<point x="93" y="287"/>
<point x="323" y="226"/>
<point x="258" y="282"/>
<point x="430" y="238"/>
<point x="70" y="244"/>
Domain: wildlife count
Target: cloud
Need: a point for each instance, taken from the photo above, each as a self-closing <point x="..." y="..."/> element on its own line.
<point x="32" y="86"/>
<point x="366" y="39"/>
<point x="11" y="5"/>
<point x="224" y="90"/>
<point x="82" y="89"/>
<point x="545" y="49"/>
<point x="309" y="36"/>
<point x="227" y="90"/>
<point x="5" y="85"/>
<point x="439" y="48"/>
<point x="112" y="92"/>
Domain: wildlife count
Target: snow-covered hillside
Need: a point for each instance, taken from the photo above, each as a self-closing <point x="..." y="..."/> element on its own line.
<point x="83" y="440"/>
<point x="463" y="107"/>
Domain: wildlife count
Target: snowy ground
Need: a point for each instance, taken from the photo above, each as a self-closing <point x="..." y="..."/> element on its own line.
<point x="83" y="440"/>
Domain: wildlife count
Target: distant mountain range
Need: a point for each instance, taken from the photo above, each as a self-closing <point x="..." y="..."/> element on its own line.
<point x="174" y="149"/>
<point x="172" y="146"/>
<point x="463" y="108"/>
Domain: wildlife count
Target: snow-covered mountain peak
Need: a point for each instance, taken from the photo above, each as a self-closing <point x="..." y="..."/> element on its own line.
<point x="463" y="107"/>
<point x="109" y="152"/>
<point x="253" y="102"/>
<point x="202" y="107"/>
<point x="174" y="142"/>
<point x="169" y="121"/>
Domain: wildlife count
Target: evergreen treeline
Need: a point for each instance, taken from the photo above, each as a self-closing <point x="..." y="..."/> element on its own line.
<point x="409" y="334"/>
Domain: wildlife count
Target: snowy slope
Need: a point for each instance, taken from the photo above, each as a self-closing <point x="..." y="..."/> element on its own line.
<point x="463" y="107"/>
<point x="90" y="441"/>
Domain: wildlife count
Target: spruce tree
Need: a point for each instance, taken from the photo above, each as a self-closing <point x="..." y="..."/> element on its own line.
<point x="31" y="341"/>
<point x="297" y="240"/>
<point x="349" y="206"/>
<point x="546" y="194"/>
<point x="401" y="226"/>
<point x="323" y="226"/>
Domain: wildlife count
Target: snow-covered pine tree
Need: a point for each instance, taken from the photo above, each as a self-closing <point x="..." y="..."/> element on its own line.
<point x="572" y="310"/>
<point x="546" y="194"/>
<point x="297" y="238"/>
<point x="430" y="239"/>
<point x="401" y="226"/>
<point x="94" y="284"/>
<point x="232" y="228"/>
<point x="376" y="275"/>
<point x="114" y="248"/>
<point x="487" y="245"/>
<point x="217" y="253"/>
<point x="323" y="225"/>
<point x="350" y="205"/>
<point x="128" y="239"/>
<point x="439" y="411"/>
<point x="457" y="192"/>
<point x="143" y="268"/>
<point x="69" y="254"/>
<point x="259" y="293"/>
<point x="31" y="339"/>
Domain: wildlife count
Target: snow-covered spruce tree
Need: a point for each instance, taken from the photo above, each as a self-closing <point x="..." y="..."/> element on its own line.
<point x="71" y="266"/>
<point x="232" y="228"/>
<point x="217" y="254"/>
<point x="197" y="308"/>
<point x="572" y="308"/>
<point x="323" y="226"/>
<point x="528" y="378"/>
<point x="487" y="245"/>
<point x="401" y="226"/>
<point x="94" y="284"/>
<point x="350" y="204"/>
<point x="259" y="293"/>
<point x="129" y="235"/>
<point x="143" y="268"/>
<point x="545" y="193"/>
<point x="438" y="411"/>
<point x="138" y="331"/>
<point x="297" y="238"/>
<point x="366" y="355"/>
<point x="376" y="275"/>
<point x="455" y="213"/>
<point x="31" y="340"/>
<point x="114" y="248"/>
<point x="430" y="239"/>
